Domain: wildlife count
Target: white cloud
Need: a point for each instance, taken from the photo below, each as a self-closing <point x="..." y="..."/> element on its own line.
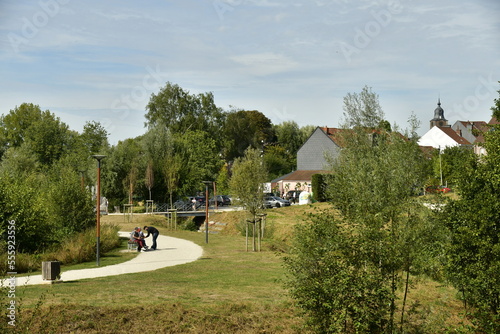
<point x="263" y="64"/>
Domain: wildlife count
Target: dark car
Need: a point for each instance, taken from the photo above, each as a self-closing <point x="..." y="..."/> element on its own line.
<point x="221" y="200"/>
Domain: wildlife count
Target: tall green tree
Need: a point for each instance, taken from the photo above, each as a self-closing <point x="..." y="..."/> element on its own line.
<point x="281" y="156"/>
<point x="45" y="135"/>
<point x="22" y="203"/>
<point x="197" y="158"/>
<point x="278" y="161"/>
<point x="14" y="126"/>
<point x="180" y="111"/>
<point x="123" y="164"/>
<point x="363" y="110"/>
<point x="247" y="181"/>
<point x="473" y="253"/>
<point x="452" y="163"/>
<point x="244" y="129"/>
<point x="94" y="137"/>
<point x="352" y="281"/>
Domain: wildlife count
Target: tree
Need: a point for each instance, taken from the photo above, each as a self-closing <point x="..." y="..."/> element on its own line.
<point x="332" y="281"/>
<point x="289" y="136"/>
<point x="452" y="162"/>
<point x="180" y="111"/>
<point x="473" y="251"/>
<point x="172" y="168"/>
<point x="244" y="129"/>
<point x="149" y="178"/>
<point x="94" y="137"/>
<point x="222" y="180"/>
<point x="31" y="218"/>
<point x="281" y="156"/>
<point x="197" y="158"/>
<point x="43" y="133"/>
<point x="48" y="138"/>
<point x="278" y="161"/>
<point x="355" y="260"/>
<point x="363" y="110"/>
<point x="14" y="126"/>
<point x="124" y="162"/>
<point x="247" y="181"/>
<point x="70" y="207"/>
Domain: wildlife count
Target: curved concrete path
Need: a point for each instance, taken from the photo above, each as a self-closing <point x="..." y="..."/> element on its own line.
<point x="170" y="252"/>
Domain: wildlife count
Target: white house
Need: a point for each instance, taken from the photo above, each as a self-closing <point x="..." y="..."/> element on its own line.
<point x="442" y="137"/>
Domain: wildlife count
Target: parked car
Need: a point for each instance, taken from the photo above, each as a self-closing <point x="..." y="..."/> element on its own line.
<point x="221" y="200"/>
<point x="226" y="200"/>
<point x="275" y="202"/>
<point x="267" y="203"/>
<point x="437" y="189"/>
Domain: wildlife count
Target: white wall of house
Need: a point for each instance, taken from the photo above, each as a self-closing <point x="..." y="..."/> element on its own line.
<point x="286" y="185"/>
<point x="437" y="139"/>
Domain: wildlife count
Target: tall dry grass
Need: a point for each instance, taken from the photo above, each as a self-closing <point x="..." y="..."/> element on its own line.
<point x="80" y="247"/>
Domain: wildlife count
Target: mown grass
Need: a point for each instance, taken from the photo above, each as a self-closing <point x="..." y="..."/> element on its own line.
<point x="228" y="290"/>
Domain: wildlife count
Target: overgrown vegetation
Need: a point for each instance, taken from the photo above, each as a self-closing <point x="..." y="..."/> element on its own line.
<point x="228" y="290"/>
<point x="76" y="248"/>
<point x="364" y="264"/>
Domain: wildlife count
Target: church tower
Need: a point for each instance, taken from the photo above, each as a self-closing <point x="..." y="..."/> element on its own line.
<point x="439" y="119"/>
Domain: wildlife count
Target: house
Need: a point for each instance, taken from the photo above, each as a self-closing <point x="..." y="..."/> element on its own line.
<point x="312" y="158"/>
<point x="473" y="132"/>
<point x="461" y="133"/>
<point x="440" y="137"/>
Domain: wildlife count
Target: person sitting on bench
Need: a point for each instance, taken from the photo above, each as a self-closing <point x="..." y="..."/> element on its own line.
<point x="138" y="237"/>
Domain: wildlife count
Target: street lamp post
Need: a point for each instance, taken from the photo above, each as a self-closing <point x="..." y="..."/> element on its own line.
<point x="207" y="183"/>
<point x="98" y="205"/>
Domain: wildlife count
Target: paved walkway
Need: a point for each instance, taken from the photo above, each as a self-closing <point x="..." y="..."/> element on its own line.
<point x="171" y="251"/>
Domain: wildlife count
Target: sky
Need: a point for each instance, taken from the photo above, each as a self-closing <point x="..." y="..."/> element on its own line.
<point x="292" y="60"/>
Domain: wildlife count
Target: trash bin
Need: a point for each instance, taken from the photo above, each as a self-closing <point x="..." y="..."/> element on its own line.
<point x="51" y="270"/>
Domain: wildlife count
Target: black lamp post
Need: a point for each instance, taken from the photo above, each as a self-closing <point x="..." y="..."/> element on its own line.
<point x="207" y="183"/>
<point x="98" y="208"/>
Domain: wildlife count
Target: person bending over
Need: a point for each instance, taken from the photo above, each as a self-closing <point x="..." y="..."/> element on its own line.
<point x="154" y="232"/>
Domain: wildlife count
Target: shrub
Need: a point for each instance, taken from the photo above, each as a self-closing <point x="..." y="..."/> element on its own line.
<point x="82" y="246"/>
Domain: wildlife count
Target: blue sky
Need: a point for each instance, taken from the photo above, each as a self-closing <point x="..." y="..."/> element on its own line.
<point x="291" y="60"/>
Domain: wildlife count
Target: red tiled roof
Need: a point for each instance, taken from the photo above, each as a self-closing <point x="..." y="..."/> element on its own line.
<point x="303" y="175"/>
<point x="335" y="134"/>
<point x="454" y="135"/>
<point x="479" y="126"/>
<point x="338" y="135"/>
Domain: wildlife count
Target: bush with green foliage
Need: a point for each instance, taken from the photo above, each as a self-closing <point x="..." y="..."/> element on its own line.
<point x="473" y="254"/>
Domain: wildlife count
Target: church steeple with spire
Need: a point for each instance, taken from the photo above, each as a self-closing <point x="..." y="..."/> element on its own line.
<point x="439" y="119"/>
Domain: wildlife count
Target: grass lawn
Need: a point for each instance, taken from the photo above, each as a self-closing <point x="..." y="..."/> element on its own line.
<point x="228" y="290"/>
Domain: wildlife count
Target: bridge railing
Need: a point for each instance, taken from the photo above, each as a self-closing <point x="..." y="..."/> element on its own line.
<point x="164" y="207"/>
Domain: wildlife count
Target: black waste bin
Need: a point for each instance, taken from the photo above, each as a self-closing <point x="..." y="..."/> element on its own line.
<point x="51" y="270"/>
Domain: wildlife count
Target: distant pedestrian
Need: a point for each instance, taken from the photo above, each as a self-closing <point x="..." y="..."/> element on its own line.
<point x="154" y="232"/>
